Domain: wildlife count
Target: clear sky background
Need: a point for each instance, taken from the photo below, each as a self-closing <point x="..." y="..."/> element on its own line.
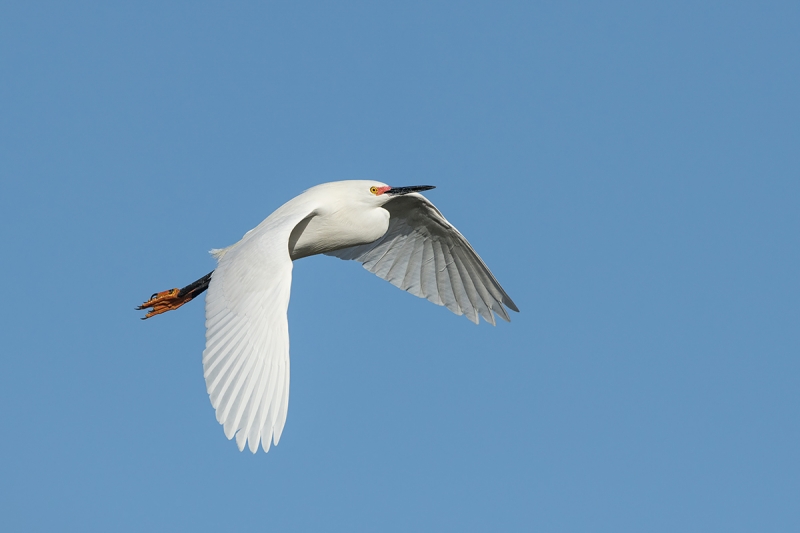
<point x="629" y="172"/>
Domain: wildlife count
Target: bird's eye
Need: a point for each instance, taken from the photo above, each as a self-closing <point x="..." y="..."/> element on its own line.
<point x="373" y="190"/>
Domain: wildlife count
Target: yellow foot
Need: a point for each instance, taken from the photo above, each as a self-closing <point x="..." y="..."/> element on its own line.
<point x="164" y="301"/>
<point x="161" y="302"/>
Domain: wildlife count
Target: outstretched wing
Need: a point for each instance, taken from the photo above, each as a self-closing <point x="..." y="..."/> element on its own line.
<point x="423" y="253"/>
<point x="246" y="359"/>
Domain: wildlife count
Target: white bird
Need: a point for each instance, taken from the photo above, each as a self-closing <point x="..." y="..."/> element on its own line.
<point x="394" y="232"/>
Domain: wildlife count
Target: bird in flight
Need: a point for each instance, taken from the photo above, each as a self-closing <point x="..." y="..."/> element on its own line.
<point x="395" y="232"/>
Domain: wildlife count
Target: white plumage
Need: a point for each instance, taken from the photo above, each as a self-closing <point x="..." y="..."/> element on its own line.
<point x="396" y="233"/>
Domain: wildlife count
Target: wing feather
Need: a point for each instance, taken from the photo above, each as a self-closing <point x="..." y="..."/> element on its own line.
<point x="423" y="253"/>
<point x="469" y="288"/>
<point x="457" y="283"/>
<point x="280" y="421"/>
<point x="411" y="279"/>
<point x="397" y="272"/>
<point x="256" y="391"/>
<point x="428" y="273"/>
<point x="228" y="368"/>
<point x="244" y="391"/>
<point x="443" y="285"/>
<point x="246" y="359"/>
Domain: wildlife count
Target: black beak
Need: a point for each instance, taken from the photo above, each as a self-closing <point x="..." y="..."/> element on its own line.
<point x="397" y="191"/>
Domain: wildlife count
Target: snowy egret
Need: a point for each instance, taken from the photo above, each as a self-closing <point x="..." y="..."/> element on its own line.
<point x="394" y="232"/>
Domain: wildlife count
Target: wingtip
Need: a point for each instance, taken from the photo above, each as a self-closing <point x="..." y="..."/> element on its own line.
<point x="253" y="447"/>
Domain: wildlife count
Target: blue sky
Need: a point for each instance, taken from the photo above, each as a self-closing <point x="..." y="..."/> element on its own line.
<point x="629" y="172"/>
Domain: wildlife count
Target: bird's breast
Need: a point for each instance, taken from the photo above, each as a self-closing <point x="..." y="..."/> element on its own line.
<point x="326" y="232"/>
